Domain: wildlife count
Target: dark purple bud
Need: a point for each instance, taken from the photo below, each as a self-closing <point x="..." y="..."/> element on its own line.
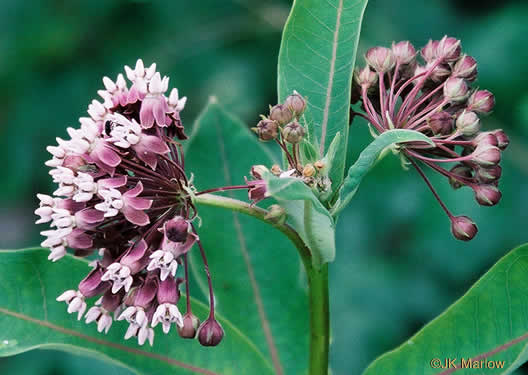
<point x="455" y="89"/>
<point x="365" y="77"/>
<point x="293" y="132"/>
<point x="168" y="291"/>
<point x="465" y="67"/>
<point x="258" y="171"/>
<point x="481" y="101"/>
<point x="486" y="155"/>
<point x="210" y="333"/>
<point x="502" y="139"/>
<point x="429" y="51"/>
<point x="487" y="195"/>
<point x="468" y="123"/>
<point x="146" y="292"/>
<point x="296" y="103"/>
<point x="488" y="175"/>
<point x="267" y="129"/>
<point x="176" y="229"/>
<point x="112" y="301"/>
<point x="281" y="114"/>
<point x="441" y="123"/>
<point x="92" y="285"/>
<point x="258" y="191"/>
<point x="404" y="52"/>
<point x="190" y="326"/>
<point x="463" y="228"/>
<point x="462" y="171"/>
<point x="448" y="49"/>
<point x="381" y="59"/>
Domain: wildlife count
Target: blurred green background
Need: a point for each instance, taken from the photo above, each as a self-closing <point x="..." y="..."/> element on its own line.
<point x="397" y="265"/>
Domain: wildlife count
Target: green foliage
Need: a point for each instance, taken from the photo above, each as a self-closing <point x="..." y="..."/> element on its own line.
<point x="488" y="323"/>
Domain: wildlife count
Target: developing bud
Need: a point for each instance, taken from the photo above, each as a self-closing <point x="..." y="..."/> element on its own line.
<point x="281" y="114"/>
<point x="449" y="49"/>
<point x="276" y="214"/>
<point x="465" y="67"/>
<point x="463" y="228"/>
<point x="455" y="89"/>
<point x="441" y="123"/>
<point x="210" y="333"/>
<point x="293" y="132"/>
<point x="308" y="170"/>
<point x="267" y="130"/>
<point x="404" y="52"/>
<point x="176" y="229"/>
<point x="488" y="175"/>
<point x="258" y="171"/>
<point x="319" y="164"/>
<point x="439" y="73"/>
<point x="487" y="195"/>
<point x="296" y="103"/>
<point x="481" y="101"/>
<point x="462" y="171"/>
<point x="380" y="59"/>
<point x="365" y="77"/>
<point x="429" y="52"/>
<point x="502" y="139"/>
<point x="485" y="138"/>
<point x="486" y="155"/>
<point x="468" y="123"/>
<point x="276" y="170"/>
<point x="190" y="325"/>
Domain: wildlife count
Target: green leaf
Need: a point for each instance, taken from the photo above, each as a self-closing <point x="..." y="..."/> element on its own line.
<point x="368" y="158"/>
<point x="31" y="318"/>
<point x="489" y="322"/>
<point x="244" y="253"/>
<point x="307" y="216"/>
<point x="309" y="154"/>
<point x="316" y="58"/>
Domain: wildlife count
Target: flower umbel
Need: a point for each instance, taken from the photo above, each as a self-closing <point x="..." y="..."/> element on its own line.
<point x="435" y="97"/>
<point x="123" y="191"/>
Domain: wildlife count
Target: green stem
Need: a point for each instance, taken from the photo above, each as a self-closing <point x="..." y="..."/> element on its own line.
<point x="317" y="279"/>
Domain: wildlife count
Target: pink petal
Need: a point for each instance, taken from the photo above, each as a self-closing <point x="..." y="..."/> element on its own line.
<point x="89" y="216"/>
<point x="159" y="109"/>
<point x="146" y="156"/>
<point x="78" y="239"/>
<point x="135" y="253"/>
<point x="133" y="94"/>
<point x="136" y="216"/>
<point x="135" y="191"/>
<point x="138" y="203"/>
<point x="107" y="155"/>
<point x="153" y="144"/>
<point x="113" y="182"/>
<point x="146" y="117"/>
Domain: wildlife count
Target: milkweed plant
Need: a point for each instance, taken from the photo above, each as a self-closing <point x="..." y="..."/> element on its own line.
<point x="126" y="217"/>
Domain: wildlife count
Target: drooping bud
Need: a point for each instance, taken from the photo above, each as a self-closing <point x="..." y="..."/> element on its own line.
<point x="258" y="171"/>
<point x="176" y="229"/>
<point x="296" y="103"/>
<point x="463" y="228"/>
<point x="190" y="325"/>
<point x="308" y="170"/>
<point x="468" y="123"/>
<point x="441" y="123"/>
<point x="210" y="333"/>
<point x="462" y="171"/>
<point x="455" y="89"/>
<point x="282" y="114"/>
<point x="381" y="59"/>
<point x="465" y="67"/>
<point x="404" y="52"/>
<point x="481" y="101"/>
<point x="276" y="214"/>
<point x="502" y="139"/>
<point x="429" y="52"/>
<point x="267" y="130"/>
<point x="365" y="77"/>
<point x="488" y="175"/>
<point x="487" y="195"/>
<point x="486" y="155"/>
<point x="448" y="49"/>
<point x="293" y="132"/>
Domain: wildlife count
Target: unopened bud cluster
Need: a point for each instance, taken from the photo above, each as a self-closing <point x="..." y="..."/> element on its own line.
<point x="122" y="195"/>
<point x="430" y="91"/>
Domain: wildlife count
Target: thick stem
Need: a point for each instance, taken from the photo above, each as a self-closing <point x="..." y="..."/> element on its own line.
<point x="319" y="320"/>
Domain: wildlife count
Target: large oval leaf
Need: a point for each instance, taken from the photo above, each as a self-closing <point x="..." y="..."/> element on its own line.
<point x="316" y="58"/>
<point x="31" y="318"/>
<point x="489" y="323"/>
<point x="258" y="278"/>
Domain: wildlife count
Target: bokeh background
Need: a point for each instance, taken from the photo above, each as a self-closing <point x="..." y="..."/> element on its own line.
<point x="397" y="265"/>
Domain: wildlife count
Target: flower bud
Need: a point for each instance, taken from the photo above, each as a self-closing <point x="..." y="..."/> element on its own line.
<point x="380" y="59"/>
<point x="293" y="132"/>
<point x="481" y="101"/>
<point x="296" y="103"/>
<point x="319" y="164"/>
<point x="449" y="49"/>
<point x="462" y="171"/>
<point x="281" y="114"/>
<point x="210" y="333"/>
<point x="258" y="171"/>
<point x="190" y="325"/>
<point x="487" y="195"/>
<point x="267" y="130"/>
<point x="465" y="67"/>
<point x="485" y="138"/>
<point x="502" y="139"/>
<point x="463" y="228"/>
<point x="276" y="214"/>
<point x="488" y="175"/>
<point x="258" y="191"/>
<point x="441" y="123"/>
<point x="404" y="52"/>
<point x="308" y="170"/>
<point x="455" y="89"/>
<point x="365" y="77"/>
<point x="429" y="52"/>
<point x="276" y="170"/>
<point x="468" y="123"/>
<point x="176" y="229"/>
<point x="439" y="73"/>
<point x="486" y="155"/>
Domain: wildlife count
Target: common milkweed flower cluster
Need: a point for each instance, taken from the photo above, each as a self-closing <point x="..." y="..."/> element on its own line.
<point x="434" y="96"/>
<point x="123" y="194"/>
